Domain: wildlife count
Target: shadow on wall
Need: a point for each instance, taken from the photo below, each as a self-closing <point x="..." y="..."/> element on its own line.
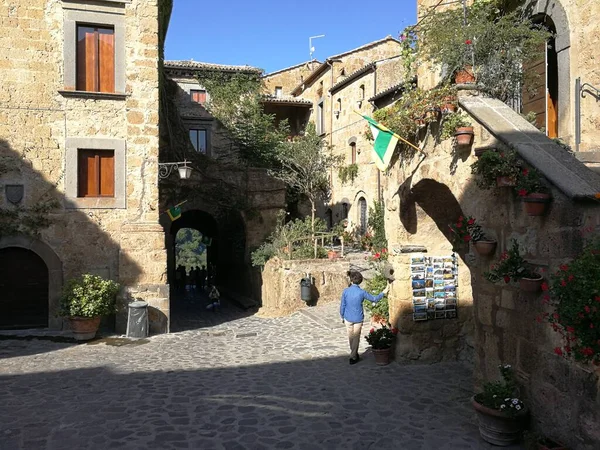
<point x="49" y="242"/>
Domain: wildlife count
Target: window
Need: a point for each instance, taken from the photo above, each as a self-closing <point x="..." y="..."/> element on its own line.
<point x="361" y="92"/>
<point x="338" y="108"/>
<point x="278" y="92"/>
<point x="345" y="210"/>
<point x="362" y="205"/>
<point x="353" y="152"/>
<point x="95" y="173"/>
<point x="198" y="95"/>
<point x="95" y="59"/>
<point x="198" y="138"/>
<point x="320" y="119"/>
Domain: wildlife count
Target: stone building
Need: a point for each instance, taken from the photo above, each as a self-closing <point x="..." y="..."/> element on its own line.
<point x="79" y="113"/>
<point x="233" y="204"/>
<point x="496" y="323"/>
<point x="345" y="83"/>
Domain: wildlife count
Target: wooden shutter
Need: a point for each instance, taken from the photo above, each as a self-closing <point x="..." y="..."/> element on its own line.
<point x="353" y="149"/>
<point x="534" y="89"/>
<point x="96" y="173"/>
<point x="87" y="62"/>
<point x="199" y="96"/>
<point x="106" y="56"/>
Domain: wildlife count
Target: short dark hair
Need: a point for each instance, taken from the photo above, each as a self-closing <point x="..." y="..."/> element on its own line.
<point x="355" y="277"/>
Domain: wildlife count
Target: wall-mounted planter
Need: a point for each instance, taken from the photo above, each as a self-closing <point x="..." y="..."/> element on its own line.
<point x="485" y="248"/>
<point x="531" y="284"/>
<point x="505" y="181"/>
<point x="481" y="150"/>
<point x="535" y="204"/>
<point x="464" y="135"/>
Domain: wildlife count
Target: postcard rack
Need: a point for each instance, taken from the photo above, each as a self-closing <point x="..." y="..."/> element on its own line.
<point x="434" y="287"/>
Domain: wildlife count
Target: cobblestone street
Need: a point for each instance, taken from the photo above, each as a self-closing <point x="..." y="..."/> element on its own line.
<point x="241" y="382"/>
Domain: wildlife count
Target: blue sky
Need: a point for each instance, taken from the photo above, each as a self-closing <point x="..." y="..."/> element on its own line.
<point x="273" y="35"/>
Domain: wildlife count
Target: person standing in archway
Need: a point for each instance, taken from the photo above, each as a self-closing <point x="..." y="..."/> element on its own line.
<point x="351" y="310"/>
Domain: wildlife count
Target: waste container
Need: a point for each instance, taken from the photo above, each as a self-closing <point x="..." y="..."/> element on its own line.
<point x="305" y="289"/>
<point x="137" y="320"/>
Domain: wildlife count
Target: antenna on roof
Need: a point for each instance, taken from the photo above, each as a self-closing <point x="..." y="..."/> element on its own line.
<point x="311" y="49"/>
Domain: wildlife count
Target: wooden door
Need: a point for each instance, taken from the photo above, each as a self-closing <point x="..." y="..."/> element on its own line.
<point x="23" y="289"/>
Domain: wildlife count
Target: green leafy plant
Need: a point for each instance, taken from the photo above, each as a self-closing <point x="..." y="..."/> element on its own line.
<point x="512" y="266"/>
<point x="493" y="38"/>
<point x="381" y="338"/>
<point x="502" y="395"/>
<point x="492" y="165"/>
<point x="574" y="293"/>
<point x="529" y="181"/>
<point x="376" y="223"/>
<point x="453" y="121"/>
<point x="381" y="309"/>
<point x="465" y="230"/>
<point x="349" y="172"/>
<point x="89" y="296"/>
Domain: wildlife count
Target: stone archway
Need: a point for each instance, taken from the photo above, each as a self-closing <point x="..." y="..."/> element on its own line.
<point x="55" y="272"/>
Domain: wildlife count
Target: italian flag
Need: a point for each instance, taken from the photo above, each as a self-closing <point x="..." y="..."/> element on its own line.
<point x="384" y="143"/>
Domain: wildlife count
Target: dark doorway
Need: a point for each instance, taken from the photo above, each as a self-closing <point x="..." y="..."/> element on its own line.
<point x="362" y="204"/>
<point x="23" y="289"/>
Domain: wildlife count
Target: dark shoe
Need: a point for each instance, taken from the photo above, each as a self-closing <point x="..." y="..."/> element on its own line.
<point x="353" y="360"/>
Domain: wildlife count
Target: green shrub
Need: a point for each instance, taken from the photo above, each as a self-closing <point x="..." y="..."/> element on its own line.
<point x="374" y="286"/>
<point x="89" y="296"/>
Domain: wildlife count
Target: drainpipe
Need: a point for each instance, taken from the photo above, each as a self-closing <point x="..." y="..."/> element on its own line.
<point x="577" y="114"/>
<point x="330" y="64"/>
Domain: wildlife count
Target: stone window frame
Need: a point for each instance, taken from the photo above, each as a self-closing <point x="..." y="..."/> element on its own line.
<point x="72" y="147"/>
<point x="206" y="125"/>
<point x="111" y="14"/>
<point x="188" y="86"/>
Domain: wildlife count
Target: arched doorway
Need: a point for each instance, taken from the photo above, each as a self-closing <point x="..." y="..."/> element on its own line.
<point x="24" y="289"/>
<point x="362" y="218"/>
<point x="541" y="88"/>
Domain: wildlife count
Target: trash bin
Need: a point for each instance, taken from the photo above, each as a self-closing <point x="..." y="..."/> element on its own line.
<point x="305" y="289"/>
<point x="137" y="320"/>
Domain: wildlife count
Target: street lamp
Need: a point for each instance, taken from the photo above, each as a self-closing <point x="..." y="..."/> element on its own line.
<point x="165" y="170"/>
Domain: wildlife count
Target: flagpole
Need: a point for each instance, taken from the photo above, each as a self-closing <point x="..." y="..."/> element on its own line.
<point x="395" y="135"/>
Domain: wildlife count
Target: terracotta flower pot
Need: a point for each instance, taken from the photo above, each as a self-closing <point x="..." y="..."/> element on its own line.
<point x="496" y="427"/>
<point x="535" y="204"/>
<point x="531" y="284"/>
<point x="464" y="135"/>
<point x="332" y="254"/>
<point x="383" y="356"/>
<point x="448" y="108"/>
<point x="485" y="248"/>
<point x="505" y="181"/>
<point x="465" y="76"/>
<point x="84" y="328"/>
<point x="481" y="150"/>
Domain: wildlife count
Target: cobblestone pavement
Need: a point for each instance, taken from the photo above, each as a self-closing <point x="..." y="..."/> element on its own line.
<point x="238" y="382"/>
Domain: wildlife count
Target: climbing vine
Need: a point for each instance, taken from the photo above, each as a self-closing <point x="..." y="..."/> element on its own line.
<point x="346" y="173"/>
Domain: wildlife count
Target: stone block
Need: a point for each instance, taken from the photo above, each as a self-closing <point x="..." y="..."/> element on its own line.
<point x="484" y="308"/>
<point x="507" y="299"/>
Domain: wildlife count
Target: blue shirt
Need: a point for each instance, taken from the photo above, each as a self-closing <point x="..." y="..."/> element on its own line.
<point x="351" y="308"/>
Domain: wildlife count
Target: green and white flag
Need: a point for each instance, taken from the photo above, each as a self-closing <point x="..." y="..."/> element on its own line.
<point x="384" y="143"/>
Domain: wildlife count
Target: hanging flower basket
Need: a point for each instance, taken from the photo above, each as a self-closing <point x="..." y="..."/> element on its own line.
<point x="535" y="204"/>
<point x="464" y="135"/>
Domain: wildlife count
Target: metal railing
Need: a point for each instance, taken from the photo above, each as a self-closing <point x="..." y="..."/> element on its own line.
<point x="318" y="236"/>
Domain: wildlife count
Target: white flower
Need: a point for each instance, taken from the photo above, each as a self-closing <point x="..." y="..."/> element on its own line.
<point x="512" y="406"/>
<point x="495" y="396"/>
<point x="518" y="407"/>
<point x="507" y="366"/>
<point x="515" y="401"/>
<point x="506" y="399"/>
<point x="502" y="406"/>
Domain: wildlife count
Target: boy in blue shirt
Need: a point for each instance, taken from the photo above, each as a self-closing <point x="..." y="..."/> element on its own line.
<point x="351" y="310"/>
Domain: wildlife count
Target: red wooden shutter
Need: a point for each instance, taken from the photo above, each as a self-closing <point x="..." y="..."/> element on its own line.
<point x="199" y="96"/>
<point x="107" y="173"/>
<point x="87" y="174"/>
<point x="87" y="62"/>
<point x="353" y="148"/>
<point x="106" y="56"/>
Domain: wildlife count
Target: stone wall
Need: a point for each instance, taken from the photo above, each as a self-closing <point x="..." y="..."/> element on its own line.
<point x="423" y="196"/>
<point x="289" y="78"/>
<point x="36" y="120"/>
<point x="281" y="284"/>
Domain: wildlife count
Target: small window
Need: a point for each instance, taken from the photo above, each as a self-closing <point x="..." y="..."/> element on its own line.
<point x="353" y="152"/>
<point x="95" y="59"/>
<point x="361" y="92"/>
<point x="198" y="138"/>
<point x="278" y="92"/>
<point x="96" y="173"/>
<point x="320" y="119"/>
<point x="198" y="96"/>
<point x="345" y="210"/>
<point x="339" y="105"/>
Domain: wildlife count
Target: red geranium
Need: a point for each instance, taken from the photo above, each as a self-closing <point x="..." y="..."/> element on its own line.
<point x="522" y="192"/>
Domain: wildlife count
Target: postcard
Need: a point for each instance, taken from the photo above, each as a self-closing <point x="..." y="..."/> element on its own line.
<point x="418" y="275"/>
<point x="417" y="259"/>
<point x="417" y="268"/>
<point x="418" y="284"/>
<point x="439" y="294"/>
<point x="419" y="301"/>
<point x="418" y="308"/>
<point x="429" y="293"/>
<point x="419" y="293"/>
<point x="420" y="316"/>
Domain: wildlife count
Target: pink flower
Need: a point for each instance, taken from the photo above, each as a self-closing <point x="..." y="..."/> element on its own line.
<point x="564" y="267"/>
<point x="544" y="286"/>
<point x="570" y="330"/>
<point x="522" y="192"/>
<point x="467" y="238"/>
<point x="468" y="42"/>
<point x="506" y="279"/>
<point x="556" y="316"/>
<point x="377" y="255"/>
<point x="587" y="351"/>
<point x="563" y="283"/>
<point x="525" y="172"/>
<point x="587" y="309"/>
<point x="471" y="221"/>
<point x="558" y="351"/>
<point x="571" y="277"/>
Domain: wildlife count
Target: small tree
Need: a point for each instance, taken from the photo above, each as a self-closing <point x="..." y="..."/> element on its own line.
<point x="304" y="164"/>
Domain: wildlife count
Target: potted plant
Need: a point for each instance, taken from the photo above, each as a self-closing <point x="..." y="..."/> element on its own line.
<point x="500" y="412"/>
<point x="495" y="169"/>
<point x="470" y="231"/>
<point x="459" y="126"/>
<point x="381" y="340"/>
<point x="512" y="266"/>
<point x="380" y="311"/>
<point x="534" y="194"/>
<point x="85" y="300"/>
<point x="574" y="294"/>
